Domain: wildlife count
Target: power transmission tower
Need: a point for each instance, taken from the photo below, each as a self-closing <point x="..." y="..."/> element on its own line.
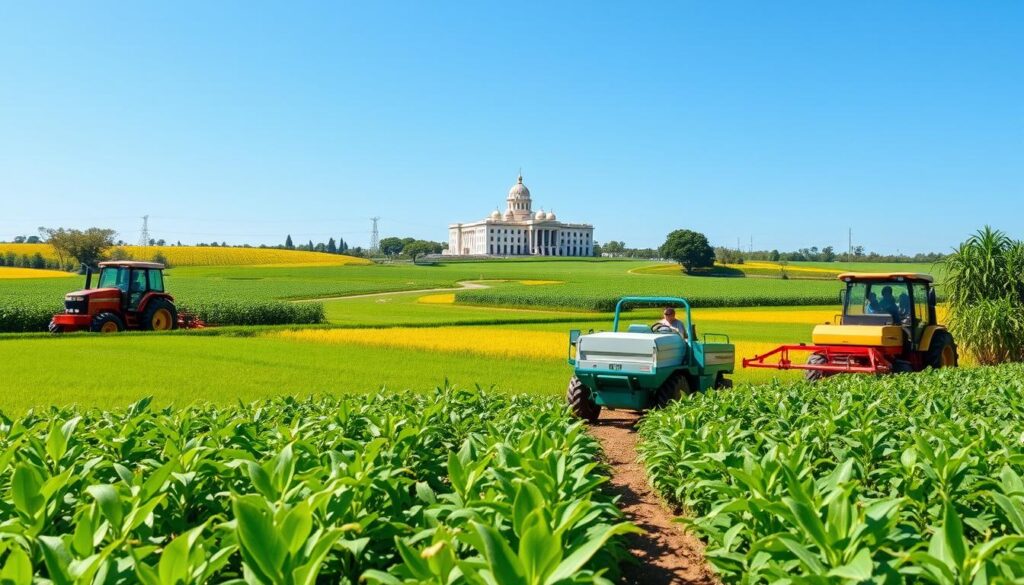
<point x="374" y="236"/>
<point x="144" y="235"/>
<point x="849" y="244"/>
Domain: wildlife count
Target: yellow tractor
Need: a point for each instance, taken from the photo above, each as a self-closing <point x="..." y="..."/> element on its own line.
<point x="888" y="325"/>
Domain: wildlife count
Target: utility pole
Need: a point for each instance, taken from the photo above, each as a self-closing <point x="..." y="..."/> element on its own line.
<point x="751" y="243"/>
<point x="849" y="244"/>
<point x="374" y="236"/>
<point x="144" y="235"/>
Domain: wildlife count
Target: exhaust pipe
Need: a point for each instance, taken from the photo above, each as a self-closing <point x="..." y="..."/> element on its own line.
<point x="88" y="277"/>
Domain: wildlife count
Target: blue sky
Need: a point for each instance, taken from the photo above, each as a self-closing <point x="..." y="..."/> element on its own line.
<point x="785" y="122"/>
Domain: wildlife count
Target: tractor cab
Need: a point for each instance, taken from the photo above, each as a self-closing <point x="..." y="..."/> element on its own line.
<point x="903" y="300"/>
<point x="133" y="279"/>
<point x="129" y="295"/>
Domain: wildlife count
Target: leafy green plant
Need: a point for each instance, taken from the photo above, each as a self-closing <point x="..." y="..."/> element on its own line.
<point x="300" y="492"/>
<point x="898" y="479"/>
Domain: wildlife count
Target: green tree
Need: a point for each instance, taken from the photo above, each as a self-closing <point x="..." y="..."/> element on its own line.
<point x="418" y="248"/>
<point x="690" y="249"/>
<point x="332" y="246"/>
<point x="86" y="247"/>
<point x="828" y="254"/>
<point x="391" y="246"/>
<point x="288" y="242"/>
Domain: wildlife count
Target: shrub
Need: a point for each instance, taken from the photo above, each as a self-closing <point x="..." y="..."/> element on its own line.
<point x="256" y="313"/>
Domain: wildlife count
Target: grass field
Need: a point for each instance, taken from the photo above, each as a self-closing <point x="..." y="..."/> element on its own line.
<point x="402" y="340"/>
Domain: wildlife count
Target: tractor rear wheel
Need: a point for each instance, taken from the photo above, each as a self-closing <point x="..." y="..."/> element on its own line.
<point x="722" y="383"/>
<point x="942" y="352"/>
<point x="671" y="390"/>
<point x="581" y="401"/>
<point x="816" y="359"/>
<point x="160" y="315"/>
<point x="106" y="323"/>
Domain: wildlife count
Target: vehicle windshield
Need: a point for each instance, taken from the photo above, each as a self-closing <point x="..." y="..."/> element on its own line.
<point x="883" y="298"/>
<point x="111" y="277"/>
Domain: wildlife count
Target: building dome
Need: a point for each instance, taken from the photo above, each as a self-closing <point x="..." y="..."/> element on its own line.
<point x="541" y="216"/>
<point x="495" y="214"/>
<point x="551" y="215"/>
<point x="519" y="190"/>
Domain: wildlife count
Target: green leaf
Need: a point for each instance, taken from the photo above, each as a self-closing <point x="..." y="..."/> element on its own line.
<point x="502" y="561"/>
<point x="579" y="557"/>
<point x="260" y="541"/>
<point x="56" y="558"/>
<point x="25" y="485"/>
<point x="860" y="568"/>
<point x="18" y="568"/>
<point x="539" y="550"/>
<point x="174" y="567"/>
<point x="296" y="526"/>
<point x="109" y="502"/>
<point x="953" y="535"/>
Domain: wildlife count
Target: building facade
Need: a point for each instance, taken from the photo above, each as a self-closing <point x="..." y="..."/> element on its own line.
<point x="520" y="232"/>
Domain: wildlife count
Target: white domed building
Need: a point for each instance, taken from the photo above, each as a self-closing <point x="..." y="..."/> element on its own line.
<point x="519" y="231"/>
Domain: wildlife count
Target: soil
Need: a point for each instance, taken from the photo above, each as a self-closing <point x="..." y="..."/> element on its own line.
<point x="665" y="553"/>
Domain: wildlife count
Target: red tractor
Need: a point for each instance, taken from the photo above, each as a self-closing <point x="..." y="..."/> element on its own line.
<point x="129" y="296"/>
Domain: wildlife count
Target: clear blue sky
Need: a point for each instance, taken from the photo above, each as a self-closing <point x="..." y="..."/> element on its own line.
<point x="787" y="122"/>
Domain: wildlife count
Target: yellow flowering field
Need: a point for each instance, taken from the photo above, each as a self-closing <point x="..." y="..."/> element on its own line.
<point x="210" y="256"/>
<point x="484" y="341"/>
<point x="540" y="282"/>
<point x="12" y="272"/>
<point x="438" y="299"/>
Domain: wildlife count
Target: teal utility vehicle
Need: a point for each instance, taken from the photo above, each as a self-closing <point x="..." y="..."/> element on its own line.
<point x="646" y="366"/>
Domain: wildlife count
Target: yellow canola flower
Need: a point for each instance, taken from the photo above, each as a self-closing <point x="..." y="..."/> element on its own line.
<point x="540" y="282"/>
<point x="12" y="272"/>
<point x="810" y="317"/>
<point x="485" y="341"/>
<point x="438" y="299"/>
<point x="207" y="255"/>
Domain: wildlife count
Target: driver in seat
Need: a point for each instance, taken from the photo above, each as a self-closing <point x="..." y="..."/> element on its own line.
<point x="669" y="321"/>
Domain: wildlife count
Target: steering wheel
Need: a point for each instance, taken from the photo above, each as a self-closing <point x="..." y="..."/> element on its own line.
<point x="661" y="328"/>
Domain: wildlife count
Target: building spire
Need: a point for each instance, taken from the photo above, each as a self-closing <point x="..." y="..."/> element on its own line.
<point x="520" y="175"/>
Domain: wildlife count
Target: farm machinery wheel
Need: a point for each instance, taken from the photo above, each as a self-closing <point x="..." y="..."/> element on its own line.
<point x="816" y="359"/>
<point x="581" y="401"/>
<point x="722" y="383"/>
<point x="107" y="322"/>
<point x="671" y="390"/>
<point x="942" y="352"/>
<point x="160" y="315"/>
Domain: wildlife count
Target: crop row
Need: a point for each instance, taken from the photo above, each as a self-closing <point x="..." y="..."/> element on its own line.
<point x="911" y="478"/>
<point x="699" y="291"/>
<point x="34" y="315"/>
<point x="448" y="487"/>
<point x="190" y="255"/>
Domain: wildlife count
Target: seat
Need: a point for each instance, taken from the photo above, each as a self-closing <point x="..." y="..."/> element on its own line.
<point x="639" y="328"/>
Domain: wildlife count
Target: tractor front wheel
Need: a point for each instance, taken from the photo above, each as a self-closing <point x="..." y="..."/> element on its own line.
<point x="816" y="359"/>
<point x="581" y="401"/>
<point x="160" y="315"/>
<point x="942" y="351"/>
<point x="671" y="390"/>
<point x="107" y="323"/>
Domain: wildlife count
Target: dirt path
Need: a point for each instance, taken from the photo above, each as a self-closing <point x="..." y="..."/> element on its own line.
<point x="464" y="285"/>
<point x="665" y="554"/>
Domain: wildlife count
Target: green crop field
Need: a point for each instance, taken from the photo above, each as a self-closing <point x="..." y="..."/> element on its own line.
<point x="379" y="489"/>
<point x="910" y="478"/>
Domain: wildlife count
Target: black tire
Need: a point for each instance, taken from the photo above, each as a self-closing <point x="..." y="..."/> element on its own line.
<point x="937" y="349"/>
<point x="54" y="328"/>
<point x="166" y="309"/>
<point x="816" y="359"/>
<point x="581" y="401"/>
<point x="902" y="367"/>
<point x="106" y="323"/>
<point x="722" y="383"/>
<point x="671" y="390"/>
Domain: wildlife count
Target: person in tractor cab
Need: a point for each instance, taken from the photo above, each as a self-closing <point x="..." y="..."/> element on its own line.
<point x="871" y="306"/>
<point x="669" y="320"/>
<point x="137" y="288"/>
<point x="887" y="305"/>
